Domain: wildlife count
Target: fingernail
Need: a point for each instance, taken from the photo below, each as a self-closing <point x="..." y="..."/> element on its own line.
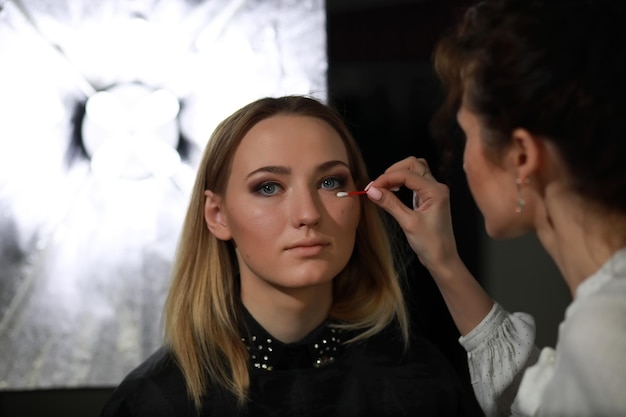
<point x="367" y="187"/>
<point x="374" y="193"/>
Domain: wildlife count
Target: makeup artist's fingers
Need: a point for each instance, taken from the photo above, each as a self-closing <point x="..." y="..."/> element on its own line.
<point x="411" y="164"/>
<point x="414" y="174"/>
<point x="427" y="225"/>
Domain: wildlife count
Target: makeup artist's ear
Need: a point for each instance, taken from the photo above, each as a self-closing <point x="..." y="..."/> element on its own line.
<point x="526" y="154"/>
<point x="214" y="216"/>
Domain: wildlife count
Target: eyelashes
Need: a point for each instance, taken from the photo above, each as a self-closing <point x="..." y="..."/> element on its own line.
<point x="271" y="188"/>
<point x="333" y="182"/>
<point x="267" y="188"/>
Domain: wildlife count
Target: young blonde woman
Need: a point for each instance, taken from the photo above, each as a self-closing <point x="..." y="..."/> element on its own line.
<point x="284" y="299"/>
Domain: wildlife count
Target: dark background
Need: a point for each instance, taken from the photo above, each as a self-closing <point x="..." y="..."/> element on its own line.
<point x="382" y="80"/>
<point x="380" y="77"/>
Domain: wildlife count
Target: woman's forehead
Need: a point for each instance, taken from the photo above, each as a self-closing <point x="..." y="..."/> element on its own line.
<point x="290" y="140"/>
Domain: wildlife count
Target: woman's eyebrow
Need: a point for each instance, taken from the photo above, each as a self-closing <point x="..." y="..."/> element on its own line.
<point x="283" y="170"/>
<point x="273" y="169"/>
<point x="331" y="164"/>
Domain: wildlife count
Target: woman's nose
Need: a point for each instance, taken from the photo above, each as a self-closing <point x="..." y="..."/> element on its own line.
<point x="305" y="208"/>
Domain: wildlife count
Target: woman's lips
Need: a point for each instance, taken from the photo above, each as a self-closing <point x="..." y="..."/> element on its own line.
<point x="307" y="248"/>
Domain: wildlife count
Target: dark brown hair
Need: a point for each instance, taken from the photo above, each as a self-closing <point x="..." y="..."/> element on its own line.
<point x="553" y="67"/>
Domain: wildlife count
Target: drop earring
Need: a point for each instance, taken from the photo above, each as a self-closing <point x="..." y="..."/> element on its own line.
<point x="521" y="202"/>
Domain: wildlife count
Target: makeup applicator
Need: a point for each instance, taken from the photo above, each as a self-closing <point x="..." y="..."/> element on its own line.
<point x="349" y="193"/>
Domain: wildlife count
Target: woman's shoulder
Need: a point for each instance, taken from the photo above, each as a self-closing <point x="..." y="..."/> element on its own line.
<point x="158" y="369"/>
<point x="593" y="336"/>
<point x="156" y="387"/>
<point x="596" y="320"/>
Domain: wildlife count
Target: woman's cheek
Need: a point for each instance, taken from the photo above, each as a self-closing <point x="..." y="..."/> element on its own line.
<point x="350" y="215"/>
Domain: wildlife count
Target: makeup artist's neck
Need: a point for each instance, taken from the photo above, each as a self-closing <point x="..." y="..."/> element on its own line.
<point x="289" y="315"/>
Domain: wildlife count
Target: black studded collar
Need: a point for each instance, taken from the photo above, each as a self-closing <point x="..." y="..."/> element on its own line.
<point x="319" y="348"/>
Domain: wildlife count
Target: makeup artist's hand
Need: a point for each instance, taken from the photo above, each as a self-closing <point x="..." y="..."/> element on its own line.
<point x="428" y="228"/>
<point x="428" y="224"/>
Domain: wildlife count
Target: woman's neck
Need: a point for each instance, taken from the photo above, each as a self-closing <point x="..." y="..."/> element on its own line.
<point x="579" y="237"/>
<point x="289" y="314"/>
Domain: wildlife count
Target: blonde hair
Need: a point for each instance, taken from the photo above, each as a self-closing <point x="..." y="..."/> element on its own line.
<point x="202" y="314"/>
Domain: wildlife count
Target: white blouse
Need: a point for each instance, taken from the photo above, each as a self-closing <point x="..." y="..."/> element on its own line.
<point x="584" y="376"/>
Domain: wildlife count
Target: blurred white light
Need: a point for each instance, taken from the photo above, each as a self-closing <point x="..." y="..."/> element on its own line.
<point x="87" y="241"/>
<point x="131" y="131"/>
<point x="135" y="157"/>
<point x="207" y="38"/>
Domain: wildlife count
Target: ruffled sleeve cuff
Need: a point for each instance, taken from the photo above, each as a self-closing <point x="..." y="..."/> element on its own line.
<point x="485" y="328"/>
<point x="498" y="351"/>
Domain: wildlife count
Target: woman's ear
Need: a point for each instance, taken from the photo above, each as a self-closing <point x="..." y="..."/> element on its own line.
<point x="214" y="216"/>
<point x="526" y="154"/>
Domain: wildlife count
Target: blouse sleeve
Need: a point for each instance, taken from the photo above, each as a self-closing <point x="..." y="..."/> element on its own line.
<point x="499" y="349"/>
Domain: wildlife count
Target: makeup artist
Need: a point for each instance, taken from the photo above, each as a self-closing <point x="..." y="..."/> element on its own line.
<point x="284" y="299"/>
<point x="539" y="90"/>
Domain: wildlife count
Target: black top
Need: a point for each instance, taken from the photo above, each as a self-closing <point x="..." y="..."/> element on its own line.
<point x="317" y="377"/>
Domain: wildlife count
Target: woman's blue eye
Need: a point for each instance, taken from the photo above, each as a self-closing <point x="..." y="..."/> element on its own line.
<point x="332" y="183"/>
<point x="267" y="188"/>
